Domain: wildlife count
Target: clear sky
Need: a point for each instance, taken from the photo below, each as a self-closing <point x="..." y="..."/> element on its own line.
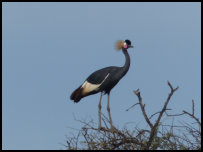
<point x="49" y="49"/>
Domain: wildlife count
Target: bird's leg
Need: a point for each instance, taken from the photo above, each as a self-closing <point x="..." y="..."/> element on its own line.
<point x="100" y="127"/>
<point x="108" y="109"/>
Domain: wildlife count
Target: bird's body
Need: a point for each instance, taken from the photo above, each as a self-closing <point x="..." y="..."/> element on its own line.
<point x="103" y="80"/>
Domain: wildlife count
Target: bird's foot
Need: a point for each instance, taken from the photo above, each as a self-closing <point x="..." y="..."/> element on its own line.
<point x="113" y="129"/>
<point x="101" y="128"/>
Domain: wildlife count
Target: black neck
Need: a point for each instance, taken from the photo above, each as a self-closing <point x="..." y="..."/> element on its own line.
<point x="127" y="61"/>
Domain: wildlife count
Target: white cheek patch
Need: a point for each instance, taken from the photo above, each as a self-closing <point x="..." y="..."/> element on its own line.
<point x="125" y="45"/>
<point x="88" y="87"/>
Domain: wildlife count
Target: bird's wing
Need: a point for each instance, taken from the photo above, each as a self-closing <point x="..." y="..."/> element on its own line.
<point x="100" y="75"/>
<point x="95" y="80"/>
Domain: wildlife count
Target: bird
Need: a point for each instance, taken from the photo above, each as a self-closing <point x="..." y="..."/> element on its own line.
<point x="104" y="80"/>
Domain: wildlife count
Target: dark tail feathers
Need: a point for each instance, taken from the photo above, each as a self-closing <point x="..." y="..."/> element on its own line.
<point x="76" y="95"/>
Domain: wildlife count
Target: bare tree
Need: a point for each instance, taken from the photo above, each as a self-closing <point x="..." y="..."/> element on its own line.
<point x="159" y="136"/>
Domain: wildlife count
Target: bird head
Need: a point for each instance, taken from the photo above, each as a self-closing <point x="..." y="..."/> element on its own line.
<point x="123" y="44"/>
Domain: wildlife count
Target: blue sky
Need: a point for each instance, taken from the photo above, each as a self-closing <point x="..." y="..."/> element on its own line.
<point x="49" y="49"/>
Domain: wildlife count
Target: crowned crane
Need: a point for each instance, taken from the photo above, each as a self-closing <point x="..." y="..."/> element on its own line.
<point x="104" y="80"/>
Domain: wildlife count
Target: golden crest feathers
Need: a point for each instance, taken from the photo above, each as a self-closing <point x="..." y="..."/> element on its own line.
<point x="119" y="45"/>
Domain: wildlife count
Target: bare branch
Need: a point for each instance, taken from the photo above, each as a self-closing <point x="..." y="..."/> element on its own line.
<point x="132" y="106"/>
<point x="137" y="92"/>
<point x="173" y="115"/>
<point x="191" y="115"/>
<point x="154" y="128"/>
<point x="156" y="113"/>
<point x="193" y="108"/>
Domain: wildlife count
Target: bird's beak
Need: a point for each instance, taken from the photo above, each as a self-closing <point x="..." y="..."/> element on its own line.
<point x="131" y="46"/>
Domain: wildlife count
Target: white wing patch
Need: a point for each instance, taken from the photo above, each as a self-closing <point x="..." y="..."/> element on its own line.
<point x="88" y="87"/>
